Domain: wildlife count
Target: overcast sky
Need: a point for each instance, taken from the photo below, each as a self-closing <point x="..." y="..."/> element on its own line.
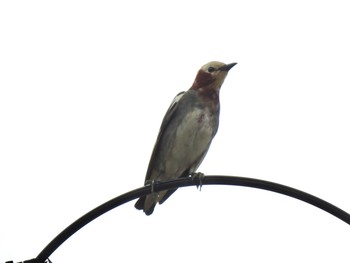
<point x="84" y="86"/>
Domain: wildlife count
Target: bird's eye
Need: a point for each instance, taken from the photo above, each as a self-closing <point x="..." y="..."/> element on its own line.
<point x="211" y="69"/>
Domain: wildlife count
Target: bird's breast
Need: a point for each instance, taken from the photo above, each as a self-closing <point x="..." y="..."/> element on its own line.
<point x="195" y="132"/>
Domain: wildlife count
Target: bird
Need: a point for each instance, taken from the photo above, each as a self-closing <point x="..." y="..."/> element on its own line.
<point x="186" y="132"/>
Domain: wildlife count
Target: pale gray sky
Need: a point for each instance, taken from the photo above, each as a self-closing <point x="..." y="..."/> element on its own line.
<point x="85" y="84"/>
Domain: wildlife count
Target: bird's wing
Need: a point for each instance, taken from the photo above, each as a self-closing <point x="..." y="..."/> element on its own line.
<point x="167" y="119"/>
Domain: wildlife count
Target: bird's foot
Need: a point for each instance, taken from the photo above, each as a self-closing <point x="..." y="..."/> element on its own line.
<point x="200" y="177"/>
<point x="153" y="184"/>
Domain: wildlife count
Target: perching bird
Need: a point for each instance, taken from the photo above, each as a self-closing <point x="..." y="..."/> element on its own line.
<point x="187" y="130"/>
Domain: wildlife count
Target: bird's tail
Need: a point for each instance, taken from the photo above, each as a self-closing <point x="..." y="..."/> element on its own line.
<point x="147" y="204"/>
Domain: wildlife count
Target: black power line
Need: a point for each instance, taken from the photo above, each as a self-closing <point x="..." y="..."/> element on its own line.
<point x="178" y="183"/>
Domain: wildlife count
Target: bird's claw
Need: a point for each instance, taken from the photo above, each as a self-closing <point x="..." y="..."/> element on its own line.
<point x="200" y="177"/>
<point x="153" y="184"/>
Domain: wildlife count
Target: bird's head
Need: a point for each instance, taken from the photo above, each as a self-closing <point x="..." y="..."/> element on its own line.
<point x="211" y="76"/>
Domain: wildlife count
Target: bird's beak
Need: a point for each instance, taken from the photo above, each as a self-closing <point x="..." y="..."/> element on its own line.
<point x="228" y="67"/>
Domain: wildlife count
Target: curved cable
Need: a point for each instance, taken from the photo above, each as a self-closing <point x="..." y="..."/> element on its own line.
<point x="182" y="182"/>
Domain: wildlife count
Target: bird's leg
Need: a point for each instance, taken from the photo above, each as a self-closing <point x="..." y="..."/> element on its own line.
<point x="200" y="177"/>
<point x="153" y="183"/>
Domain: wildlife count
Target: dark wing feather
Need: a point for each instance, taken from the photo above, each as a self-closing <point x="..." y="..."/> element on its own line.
<point x="167" y="119"/>
<point x="140" y="204"/>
